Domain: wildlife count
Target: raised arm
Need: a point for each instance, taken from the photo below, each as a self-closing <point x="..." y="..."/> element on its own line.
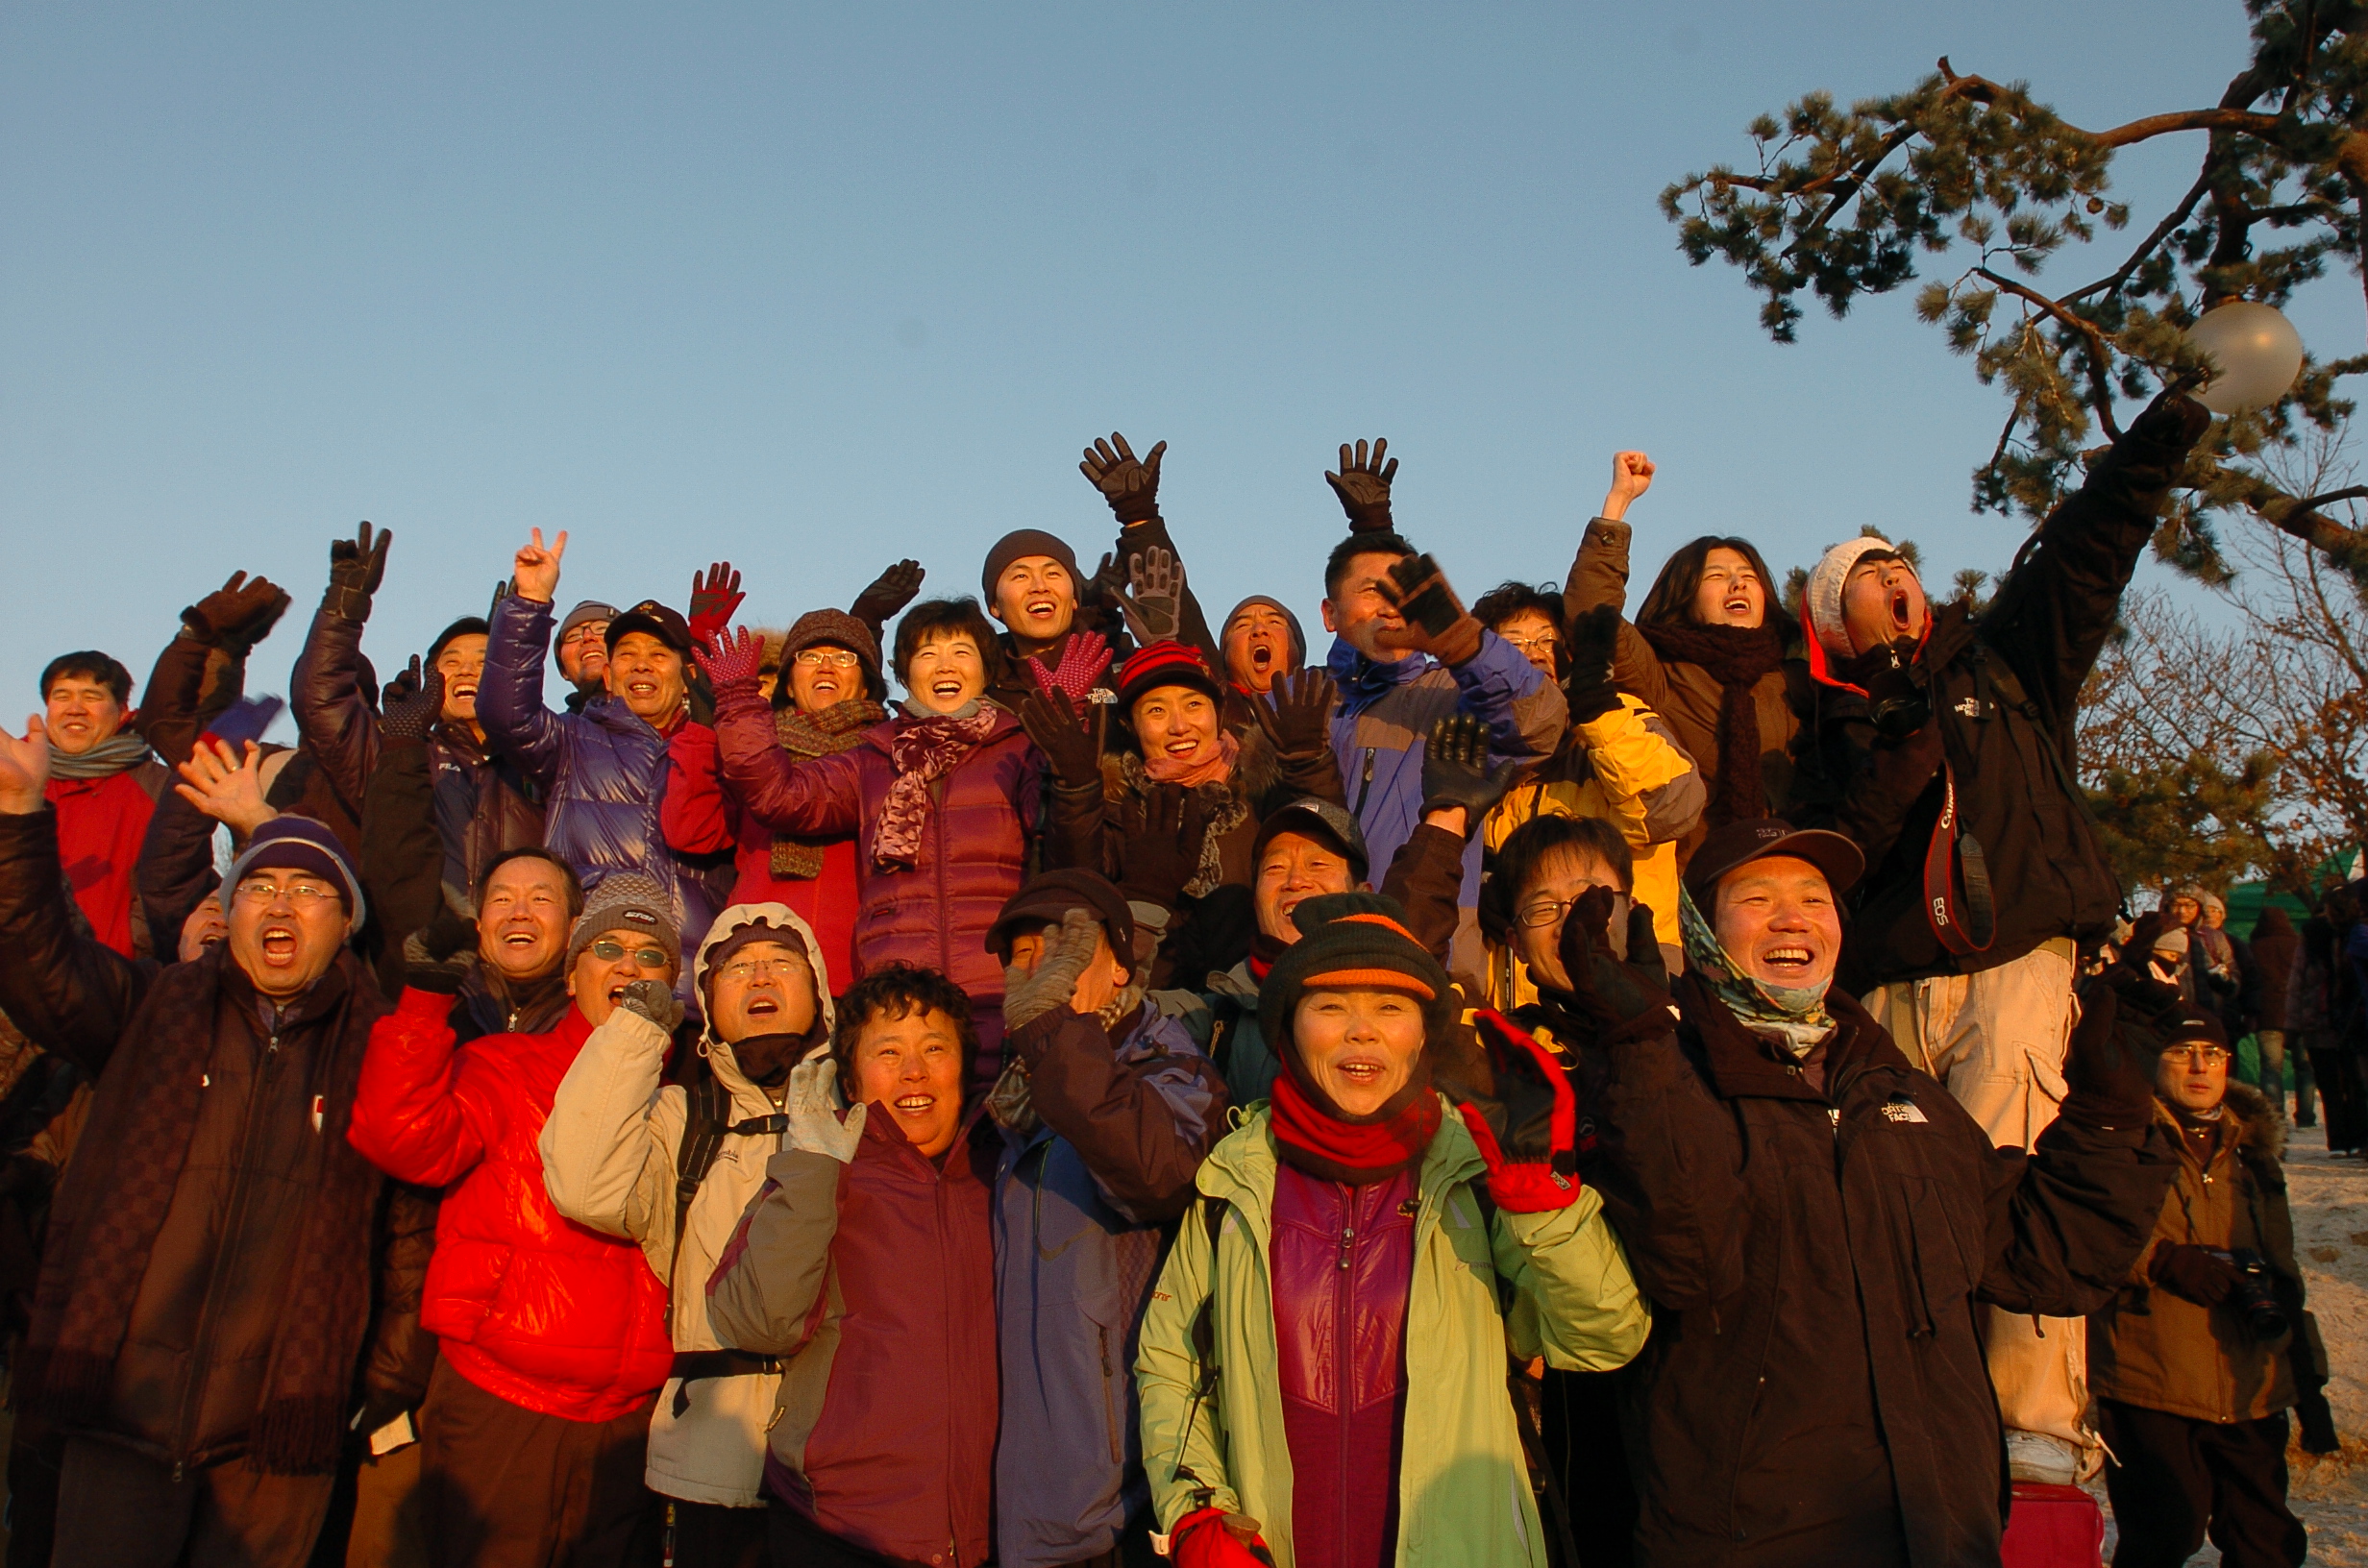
<point x="769" y="1277"/>
<point x="1599" y="576"/>
<point x="1142" y="1128"/>
<point x="416" y="1115"/>
<point x="608" y="1148"/>
<point x="333" y="718"/>
<point x="509" y="697"/>
<point x="69" y="991"/>
<point x="820" y="796"/>
<point x="1156" y="591"/>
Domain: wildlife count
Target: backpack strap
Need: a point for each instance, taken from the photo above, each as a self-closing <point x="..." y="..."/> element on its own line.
<point x="706" y="1107"/>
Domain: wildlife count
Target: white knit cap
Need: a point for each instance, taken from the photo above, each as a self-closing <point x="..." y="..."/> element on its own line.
<point x="1823" y="596"/>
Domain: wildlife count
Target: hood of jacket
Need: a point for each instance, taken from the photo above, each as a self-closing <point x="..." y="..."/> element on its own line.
<point x="717" y="1053"/>
<point x="1363" y="682"/>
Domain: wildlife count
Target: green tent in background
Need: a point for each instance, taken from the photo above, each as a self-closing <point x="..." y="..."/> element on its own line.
<point x="2247" y="899"/>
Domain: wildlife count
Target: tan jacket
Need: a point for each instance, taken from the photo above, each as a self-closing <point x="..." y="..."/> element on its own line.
<point x="2153" y="1348"/>
<point x="608" y="1161"/>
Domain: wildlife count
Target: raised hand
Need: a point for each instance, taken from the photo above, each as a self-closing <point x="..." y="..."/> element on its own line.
<point x="1527" y="1130"/>
<point x="1296" y="714"/>
<point x="813" y="1108"/>
<point x="1153" y="603"/>
<point x="411" y="704"/>
<point x="237" y="615"/>
<point x="1363" y="485"/>
<point x="890" y="592"/>
<point x="356" y="566"/>
<point x="1632" y="475"/>
<point x="652" y="1000"/>
<point x="24" y="768"/>
<point x="1594" y="642"/>
<point x="1456" y="774"/>
<point x="439" y="955"/>
<point x="715" y="596"/>
<point x="1436" y="623"/>
<point x="1053" y="723"/>
<point x="226" y="786"/>
<point x="535" y="571"/>
<point x="1626" y="998"/>
<point x="1131" y="486"/>
<point x="731" y="659"/>
<point x="1030" y="996"/>
<point x="1163" y="847"/>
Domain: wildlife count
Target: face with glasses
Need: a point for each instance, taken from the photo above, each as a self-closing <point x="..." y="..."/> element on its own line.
<point x="1545" y="906"/>
<point x="2192" y="1075"/>
<point x="764" y="988"/>
<point x="583" y="654"/>
<point x="614" y="961"/>
<point x="824" y="676"/>
<point x="1533" y="636"/>
<point x="285" y="927"/>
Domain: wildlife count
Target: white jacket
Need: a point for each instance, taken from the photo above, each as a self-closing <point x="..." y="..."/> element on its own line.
<point x="608" y="1151"/>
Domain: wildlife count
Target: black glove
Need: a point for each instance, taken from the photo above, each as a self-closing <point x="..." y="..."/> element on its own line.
<point x="411" y="704"/>
<point x="356" y="566"/>
<point x="1456" y="771"/>
<point x="2109" y="1079"/>
<point x="2197" y="1273"/>
<point x="889" y="592"/>
<point x="1436" y="623"/>
<point x="1296" y="713"/>
<point x="438" y="956"/>
<point x="237" y="615"/>
<point x="1131" y="486"/>
<point x="1594" y="637"/>
<point x="1625" y="999"/>
<point x="1061" y="735"/>
<point x="653" y="1001"/>
<point x="1363" y="485"/>
<point x="1163" y="847"/>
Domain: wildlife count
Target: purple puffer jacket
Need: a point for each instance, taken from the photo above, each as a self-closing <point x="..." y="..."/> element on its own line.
<point x="973" y="848"/>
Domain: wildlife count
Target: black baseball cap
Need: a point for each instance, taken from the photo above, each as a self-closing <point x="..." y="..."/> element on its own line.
<point x="665" y="625"/>
<point x="1049" y="896"/>
<point x="1740" y="844"/>
<point x="1318" y="819"/>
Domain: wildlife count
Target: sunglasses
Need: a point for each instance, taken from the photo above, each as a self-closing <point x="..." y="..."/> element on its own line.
<point x="648" y="958"/>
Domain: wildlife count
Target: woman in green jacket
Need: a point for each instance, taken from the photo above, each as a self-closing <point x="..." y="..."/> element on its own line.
<point x="1322" y="1366"/>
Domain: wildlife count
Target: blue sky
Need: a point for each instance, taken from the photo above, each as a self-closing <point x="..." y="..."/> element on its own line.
<point x="812" y="287"/>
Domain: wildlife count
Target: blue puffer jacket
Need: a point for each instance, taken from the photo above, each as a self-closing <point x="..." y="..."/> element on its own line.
<point x="603" y="771"/>
<point x="1079" y="1203"/>
<point x="1385" y="718"/>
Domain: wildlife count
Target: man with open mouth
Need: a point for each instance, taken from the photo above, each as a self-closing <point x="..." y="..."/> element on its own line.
<point x="1949" y="739"/>
<point x="208" y="1275"/>
<point x="1822" y="1228"/>
<point x="553" y="1337"/>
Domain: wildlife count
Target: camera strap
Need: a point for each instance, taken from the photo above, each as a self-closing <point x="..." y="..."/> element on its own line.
<point x="1956" y="894"/>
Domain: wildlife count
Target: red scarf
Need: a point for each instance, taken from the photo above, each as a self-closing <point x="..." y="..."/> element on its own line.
<point x="1358" y="1153"/>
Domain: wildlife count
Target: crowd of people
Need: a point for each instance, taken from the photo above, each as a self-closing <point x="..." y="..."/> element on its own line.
<point x="1052" y="1079"/>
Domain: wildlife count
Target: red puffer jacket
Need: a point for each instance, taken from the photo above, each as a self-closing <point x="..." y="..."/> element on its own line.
<point x="531" y="1308"/>
<point x="974" y="848"/>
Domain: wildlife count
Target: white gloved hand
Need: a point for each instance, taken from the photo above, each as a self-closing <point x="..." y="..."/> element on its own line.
<point x="812" y="1108"/>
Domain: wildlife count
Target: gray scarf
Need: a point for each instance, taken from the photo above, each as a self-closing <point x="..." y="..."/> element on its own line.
<point x="117" y="754"/>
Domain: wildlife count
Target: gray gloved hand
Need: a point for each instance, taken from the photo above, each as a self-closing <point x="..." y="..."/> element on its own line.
<point x="653" y="1001"/>
<point x="1027" y="997"/>
<point x="812" y="1106"/>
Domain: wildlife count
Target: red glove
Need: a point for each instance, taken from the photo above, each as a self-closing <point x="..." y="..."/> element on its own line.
<point x="1528" y="1130"/>
<point x="714" y="596"/>
<point x="1082" y="662"/>
<point x="1206" y="1538"/>
<point x="729" y="660"/>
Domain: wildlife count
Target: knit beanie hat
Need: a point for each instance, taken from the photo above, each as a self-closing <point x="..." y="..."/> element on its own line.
<point x="1298" y="634"/>
<point x="816" y="627"/>
<point x="586" y="609"/>
<point x="299" y="843"/>
<point x="1164" y="664"/>
<point x="1018" y="546"/>
<point x="1822" y="598"/>
<point x="628" y="902"/>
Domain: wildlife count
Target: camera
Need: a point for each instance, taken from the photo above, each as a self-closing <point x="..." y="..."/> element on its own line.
<point x="1896" y="705"/>
<point x="2255" y="1297"/>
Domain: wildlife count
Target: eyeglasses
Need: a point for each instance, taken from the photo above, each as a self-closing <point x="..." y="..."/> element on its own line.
<point x="826" y="658"/>
<point x="256" y="891"/>
<point x="750" y="968"/>
<point x="648" y="958"/>
<point x="2210" y="1056"/>
<point x="1544" y="640"/>
<point x="590" y="631"/>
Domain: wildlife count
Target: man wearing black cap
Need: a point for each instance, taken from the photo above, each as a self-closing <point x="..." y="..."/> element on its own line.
<point x="1821" y="1227"/>
<point x="604" y="769"/>
<point x="1107" y="1109"/>
<point x="207" y="1285"/>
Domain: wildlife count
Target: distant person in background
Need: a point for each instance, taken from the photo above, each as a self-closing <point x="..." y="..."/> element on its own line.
<point x="104" y="783"/>
<point x="2274" y="950"/>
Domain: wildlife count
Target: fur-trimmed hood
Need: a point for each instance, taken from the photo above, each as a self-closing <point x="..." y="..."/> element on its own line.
<point x="2260" y="1130"/>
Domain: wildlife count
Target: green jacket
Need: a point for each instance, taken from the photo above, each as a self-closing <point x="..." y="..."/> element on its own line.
<point x="1463" y="1493"/>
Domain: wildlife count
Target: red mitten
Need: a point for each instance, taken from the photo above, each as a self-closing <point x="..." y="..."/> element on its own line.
<point x="1207" y="1538"/>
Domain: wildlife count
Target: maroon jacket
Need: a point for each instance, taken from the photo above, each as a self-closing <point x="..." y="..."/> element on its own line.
<point x="1343" y="1263"/>
<point x="974" y="848"/>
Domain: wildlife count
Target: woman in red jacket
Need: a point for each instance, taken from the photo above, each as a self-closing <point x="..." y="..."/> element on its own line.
<point x="554" y="1338"/>
<point x="943" y="799"/>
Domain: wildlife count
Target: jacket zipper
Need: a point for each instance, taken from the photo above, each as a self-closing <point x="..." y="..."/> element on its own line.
<point x="1342" y="1292"/>
<point x="210" y="1313"/>
<point x="1364" y="785"/>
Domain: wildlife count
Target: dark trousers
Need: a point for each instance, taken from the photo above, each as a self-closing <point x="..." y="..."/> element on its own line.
<point x="119" y="1509"/>
<point x="711" y="1535"/>
<point x="2338" y="1074"/>
<point x="1579" y="1424"/>
<point x="2179" y="1477"/>
<point x="504" y="1487"/>
<point x="792" y="1540"/>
